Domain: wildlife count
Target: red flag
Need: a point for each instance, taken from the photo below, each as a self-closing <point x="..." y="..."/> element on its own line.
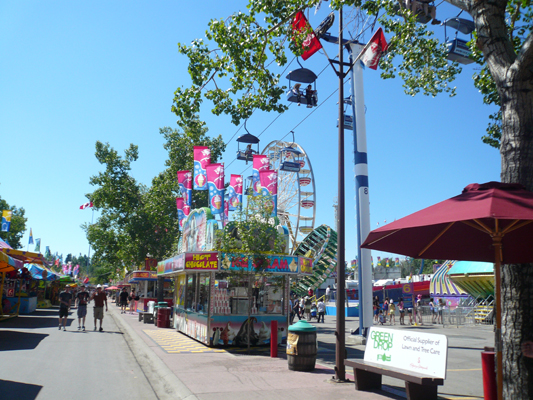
<point x="311" y="44"/>
<point x="374" y="49"/>
<point x="86" y="280"/>
<point x="86" y="205"/>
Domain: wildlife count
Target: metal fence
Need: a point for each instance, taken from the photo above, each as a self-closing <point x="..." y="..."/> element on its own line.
<point x="460" y="316"/>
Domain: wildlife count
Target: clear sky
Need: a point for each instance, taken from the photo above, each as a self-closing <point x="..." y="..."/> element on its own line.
<point x="73" y="73"/>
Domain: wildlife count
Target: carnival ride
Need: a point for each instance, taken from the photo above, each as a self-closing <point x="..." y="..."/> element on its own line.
<point x="321" y="246"/>
<point x="296" y="188"/>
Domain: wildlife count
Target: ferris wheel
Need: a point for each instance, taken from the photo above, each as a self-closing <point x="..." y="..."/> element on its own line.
<point x="296" y="188"/>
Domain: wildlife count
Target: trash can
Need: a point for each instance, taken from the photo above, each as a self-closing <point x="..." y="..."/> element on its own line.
<point x="301" y="346"/>
<point x="157" y="307"/>
<point x="163" y="317"/>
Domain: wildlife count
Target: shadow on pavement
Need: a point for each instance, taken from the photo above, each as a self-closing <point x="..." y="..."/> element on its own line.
<point x="18" y="391"/>
<point x="33" y="322"/>
<point x="13" y="340"/>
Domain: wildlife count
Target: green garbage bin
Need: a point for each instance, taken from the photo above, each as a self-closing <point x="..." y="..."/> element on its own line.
<point x="301" y="346"/>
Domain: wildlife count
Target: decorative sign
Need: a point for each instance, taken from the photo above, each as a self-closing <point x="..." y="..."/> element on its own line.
<point x="201" y="261"/>
<point x="144" y="275"/>
<point x="276" y="263"/>
<point x="194" y="230"/>
<point x="150" y="264"/>
<point x="407" y="288"/>
<point x="160" y="267"/>
<point x="305" y="265"/>
<point x="415" y="351"/>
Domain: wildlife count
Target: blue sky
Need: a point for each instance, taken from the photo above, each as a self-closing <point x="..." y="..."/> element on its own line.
<point x="72" y="73"/>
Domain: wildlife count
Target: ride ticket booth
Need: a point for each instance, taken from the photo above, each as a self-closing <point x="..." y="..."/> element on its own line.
<point x="146" y="286"/>
<point x="213" y="291"/>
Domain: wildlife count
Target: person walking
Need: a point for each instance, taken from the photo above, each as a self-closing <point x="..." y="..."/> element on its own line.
<point x="99" y="299"/>
<point x="386" y="308"/>
<point x="401" y="309"/>
<point x="433" y="309"/>
<point x="418" y="309"/>
<point x="123" y="300"/>
<point x="296" y="310"/>
<point x="131" y="299"/>
<point x="440" y="307"/>
<point x="392" y="312"/>
<point x="308" y="308"/>
<point x="83" y="299"/>
<point x="328" y="291"/>
<point x="65" y="298"/>
<point x="321" y="308"/>
<point x="376" y="309"/>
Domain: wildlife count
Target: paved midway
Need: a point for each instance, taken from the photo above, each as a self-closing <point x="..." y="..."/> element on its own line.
<point x="37" y="361"/>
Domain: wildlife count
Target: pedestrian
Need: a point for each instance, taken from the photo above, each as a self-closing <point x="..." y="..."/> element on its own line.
<point x="321" y="308"/>
<point x="123" y="300"/>
<point x="401" y="309"/>
<point x="440" y="307"/>
<point x="418" y="309"/>
<point x="410" y="313"/>
<point x="386" y="308"/>
<point x="296" y="310"/>
<point x="308" y="308"/>
<point x="99" y="299"/>
<point x="433" y="309"/>
<point x="382" y="318"/>
<point x="376" y="308"/>
<point x="131" y="299"/>
<point x="65" y="298"/>
<point x="392" y="312"/>
<point x="83" y="298"/>
<point x="302" y="307"/>
<point x="310" y="292"/>
<point x="328" y="290"/>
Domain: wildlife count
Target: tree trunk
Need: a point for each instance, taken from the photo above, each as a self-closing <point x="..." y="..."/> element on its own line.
<point x="517" y="280"/>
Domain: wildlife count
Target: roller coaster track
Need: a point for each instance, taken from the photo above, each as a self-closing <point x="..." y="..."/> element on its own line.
<point x="321" y="245"/>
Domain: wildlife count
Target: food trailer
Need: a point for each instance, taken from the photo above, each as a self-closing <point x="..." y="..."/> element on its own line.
<point x="146" y="282"/>
<point x="214" y="290"/>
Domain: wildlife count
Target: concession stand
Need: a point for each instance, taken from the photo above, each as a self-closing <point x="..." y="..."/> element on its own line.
<point x="214" y="290"/>
<point x="146" y="282"/>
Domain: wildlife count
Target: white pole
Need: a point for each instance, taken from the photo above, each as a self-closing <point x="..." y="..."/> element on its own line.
<point x="362" y="191"/>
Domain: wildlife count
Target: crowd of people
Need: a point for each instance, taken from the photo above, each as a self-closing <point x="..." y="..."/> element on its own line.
<point x="305" y="307"/>
<point x="386" y="311"/>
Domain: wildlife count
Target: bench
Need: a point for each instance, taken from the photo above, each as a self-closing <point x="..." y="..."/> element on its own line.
<point x="146" y="317"/>
<point x="368" y="375"/>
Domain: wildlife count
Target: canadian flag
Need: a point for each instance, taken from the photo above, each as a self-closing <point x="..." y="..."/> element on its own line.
<point x="374" y="49"/>
<point x="84" y="206"/>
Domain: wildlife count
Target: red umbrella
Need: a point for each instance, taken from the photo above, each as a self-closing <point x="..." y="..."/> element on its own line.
<point x="487" y="222"/>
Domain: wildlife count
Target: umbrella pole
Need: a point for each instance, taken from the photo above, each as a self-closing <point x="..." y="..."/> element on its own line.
<point x="497" y="243"/>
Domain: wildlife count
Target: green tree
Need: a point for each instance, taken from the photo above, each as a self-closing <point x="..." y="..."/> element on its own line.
<point x="17" y="227"/>
<point x="137" y="221"/>
<point x="232" y="71"/>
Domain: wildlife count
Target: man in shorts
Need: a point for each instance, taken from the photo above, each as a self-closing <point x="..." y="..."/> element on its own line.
<point x="83" y="299"/>
<point x="65" y="297"/>
<point x="99" y="299"/>
<point x="123" y="298"/>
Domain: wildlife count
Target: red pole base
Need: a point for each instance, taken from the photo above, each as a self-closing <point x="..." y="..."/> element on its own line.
<point x="273" y="338"/>
<point x="489" y="375"/>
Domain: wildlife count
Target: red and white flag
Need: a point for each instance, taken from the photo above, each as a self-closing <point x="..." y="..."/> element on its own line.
<point x="374" y="49"/>
<point x="311" y="43"/>
<point x="86" y="205"/>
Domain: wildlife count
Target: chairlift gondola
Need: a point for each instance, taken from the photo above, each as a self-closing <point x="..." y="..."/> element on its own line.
<point x="248" y="152"/>
<point x="307" y="96"/>
<point x="458" y="49"/>
<point x="288" y="153"/>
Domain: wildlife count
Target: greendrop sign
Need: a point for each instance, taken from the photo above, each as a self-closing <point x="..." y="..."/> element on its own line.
<point x="411" y="350"/>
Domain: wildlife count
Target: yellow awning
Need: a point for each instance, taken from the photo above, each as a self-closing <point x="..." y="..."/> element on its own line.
<point x="25" y="256"/>
<point x="5" y="263"/>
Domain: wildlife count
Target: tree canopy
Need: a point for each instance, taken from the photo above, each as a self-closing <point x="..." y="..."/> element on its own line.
<point x="18" y="224"/>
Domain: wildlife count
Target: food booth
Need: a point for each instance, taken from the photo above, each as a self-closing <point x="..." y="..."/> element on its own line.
<point x="146" y="288"/>
<point x="213" y="291"/>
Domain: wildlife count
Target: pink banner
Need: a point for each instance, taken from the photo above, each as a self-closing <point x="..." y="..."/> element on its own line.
<point x="215" y="181"/>
<point x="261" y="163"/>
<point x="269" y="181"/>
<point x="236" y="182"/>
<point x="215" y="175"/>
<point x="180" y="203"/>
<point x="202" y="158"/>
<point x="185" y="184"/>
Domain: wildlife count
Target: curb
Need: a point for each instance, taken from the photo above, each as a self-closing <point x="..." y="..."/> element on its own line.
<point x="163" y="381"/>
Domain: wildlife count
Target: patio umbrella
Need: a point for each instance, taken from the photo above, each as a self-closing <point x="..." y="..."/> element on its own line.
<point x="487" y="222"/>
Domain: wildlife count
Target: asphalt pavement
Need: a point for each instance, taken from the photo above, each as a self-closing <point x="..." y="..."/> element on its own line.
<point x="131" y="358"/>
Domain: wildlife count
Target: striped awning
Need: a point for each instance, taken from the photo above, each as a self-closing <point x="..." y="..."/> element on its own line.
<point x="27" y="257"/>
<point x="8" y="264"/>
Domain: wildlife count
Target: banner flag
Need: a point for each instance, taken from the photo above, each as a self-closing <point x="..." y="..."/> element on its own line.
<point x="379" y="260"/>
<point x="86" y="205"/>
<point x="397" y="261"/>
<point x="31" y="238"/>
<point x="235" y="192"/>
<point x="6" y="220"/>
<point x="37" y="245"/>
<point x="76" y="269"/>
<point x="185" y="184"/>
<point x="215" y="181"/>
<point x="374" y="49"/>
<point x="311" y="43"/>
<point x="269" y="188"/>
<point x="261" y="163"/>
<point x="47" y="253"/>
<point x="226" y="211"/>
<point x="86" y="280"/>
<point x="180" y="203"/>
<point x="202" y="158"/>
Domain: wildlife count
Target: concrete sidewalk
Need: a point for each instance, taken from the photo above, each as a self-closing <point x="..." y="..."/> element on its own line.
<point x="216" y="374"/>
